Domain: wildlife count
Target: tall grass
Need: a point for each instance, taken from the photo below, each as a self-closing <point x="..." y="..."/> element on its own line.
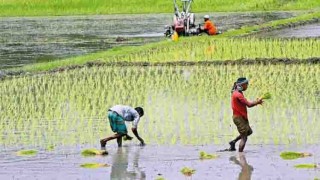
<point x="76" y="7"/>
<point x="183" y="105"/>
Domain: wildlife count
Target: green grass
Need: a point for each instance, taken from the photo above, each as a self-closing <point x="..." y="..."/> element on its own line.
<point x="77" y="7"/>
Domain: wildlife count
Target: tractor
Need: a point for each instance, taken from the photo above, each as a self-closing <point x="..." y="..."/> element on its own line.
<point x="183" y="22"/>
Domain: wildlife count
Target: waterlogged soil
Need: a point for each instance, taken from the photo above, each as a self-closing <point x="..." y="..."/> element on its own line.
<point x="305" y="31"/>
<point x="152" y="161"/>
<point x="27" y="40"/>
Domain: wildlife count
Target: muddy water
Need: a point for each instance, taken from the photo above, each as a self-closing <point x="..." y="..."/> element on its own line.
<point x="40" y="39"/>
<point x="134" y="162"/>
<point x="310" y="30"/>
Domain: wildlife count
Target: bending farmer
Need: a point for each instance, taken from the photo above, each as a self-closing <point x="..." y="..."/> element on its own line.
<point x="208" y="27"/>
<point x="117" y="116"/>
<point x="240" y="117"/>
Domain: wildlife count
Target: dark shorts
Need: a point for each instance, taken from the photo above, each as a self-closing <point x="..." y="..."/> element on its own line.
<point x="117" y="123"/>
<point x="242" y="125"/>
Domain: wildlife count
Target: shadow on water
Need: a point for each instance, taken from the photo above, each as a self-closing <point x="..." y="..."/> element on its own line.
<point x="125" y="164"/>
<point x="246" y="169"/>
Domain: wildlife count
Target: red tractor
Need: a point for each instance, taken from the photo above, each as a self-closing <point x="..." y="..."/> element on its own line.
<point x="183" y="22"/>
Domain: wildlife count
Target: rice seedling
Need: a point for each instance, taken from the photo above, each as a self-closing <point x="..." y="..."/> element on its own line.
<point x="266" y="96"/>
<point x="93" y="165"/>
<point x="93" y="152"/>
<point x="204" y="155"/>
<point x="160" y="178"/>
<point x="27" y="153"/>
<point x="179" y="101"/>
<point x="199" y="50"/>
<point x="187" y="171"/>
<point x="306" y="166"/>
<point x="294" y="155"/>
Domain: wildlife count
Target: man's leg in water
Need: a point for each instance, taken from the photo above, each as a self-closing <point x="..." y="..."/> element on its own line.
<point x="104" y="141"/>
<point x="233" y="143"/>
<point x="243" y="142"/>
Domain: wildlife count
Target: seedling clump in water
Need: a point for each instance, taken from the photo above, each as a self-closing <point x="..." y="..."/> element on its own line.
<point x="27" y="153"/>
<point x="187" y="171"/>
<point x="306" y="166"/>
<point x="204" y="155"/>
<point x="93" y="152"/>
<point x="93" y="165"/>
<point x="294" y="155"/>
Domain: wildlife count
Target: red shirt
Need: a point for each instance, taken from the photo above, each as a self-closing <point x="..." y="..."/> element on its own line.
<point x="239" y="104"/>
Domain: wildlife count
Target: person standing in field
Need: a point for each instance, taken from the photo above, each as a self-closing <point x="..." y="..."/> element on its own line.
<point x="117" y="116"/>
<point x="240" y="117"/>
<point x="209" y="27"/>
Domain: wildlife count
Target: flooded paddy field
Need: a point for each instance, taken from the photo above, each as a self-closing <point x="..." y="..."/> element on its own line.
<point x="187" y="110"/>
<point x="30" y="40"/>
<point x="153" y="161"/>
<point x="305" y="31"/>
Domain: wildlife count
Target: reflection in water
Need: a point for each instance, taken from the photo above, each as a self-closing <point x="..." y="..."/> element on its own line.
<point x="125" y="164"/>
<point x="246" y="169"/>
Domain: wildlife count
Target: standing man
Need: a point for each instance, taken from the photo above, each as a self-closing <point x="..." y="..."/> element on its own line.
<point x="117" y="116"/>
<point x="240" y="117"/>
<point x="209" y="27"/>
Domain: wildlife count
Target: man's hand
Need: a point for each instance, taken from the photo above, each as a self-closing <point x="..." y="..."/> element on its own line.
<point x="135" y="132"/>
<point x="259" y="101"/>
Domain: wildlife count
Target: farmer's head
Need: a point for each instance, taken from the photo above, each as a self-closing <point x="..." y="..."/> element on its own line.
<point x="140" y="111"/>
<point x="206" y="17"/>
<point x="242" y="83"/>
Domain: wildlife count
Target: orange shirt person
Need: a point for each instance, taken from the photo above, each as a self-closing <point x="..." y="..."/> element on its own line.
<point x="209" y="27"/>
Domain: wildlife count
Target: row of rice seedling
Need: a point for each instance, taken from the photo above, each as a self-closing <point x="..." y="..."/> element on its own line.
<point x="208" y="49"/>
<point x="184" y="105"/>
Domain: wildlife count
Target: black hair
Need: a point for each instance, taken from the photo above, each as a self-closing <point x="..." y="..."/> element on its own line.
<point x="140" y="111"/>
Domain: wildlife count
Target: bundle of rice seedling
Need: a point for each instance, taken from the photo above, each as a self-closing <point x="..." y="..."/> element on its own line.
<point x="93" y="165"/>
<point x="187" y="171"/>
<point x="27" y="153"/>
<point x="204" y="155"/>
<point x="266" y="96"/>
<point x="293" y="155"/>
<point x="93" y="152"/>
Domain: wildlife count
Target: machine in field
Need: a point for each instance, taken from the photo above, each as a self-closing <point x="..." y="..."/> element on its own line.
<point x="184" y="21"/>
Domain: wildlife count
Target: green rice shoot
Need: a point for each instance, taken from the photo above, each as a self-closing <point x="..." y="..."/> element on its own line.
<point x="293" y="155"/>
<point x="204" y="155"/>
<point x="93" y="152"/>
<point x="306" y="166"/>
<point x="27" y="152"/>
<point x="187" y="171"/>
<point x="266" y="96"/>
<point x="93" y="165"/>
